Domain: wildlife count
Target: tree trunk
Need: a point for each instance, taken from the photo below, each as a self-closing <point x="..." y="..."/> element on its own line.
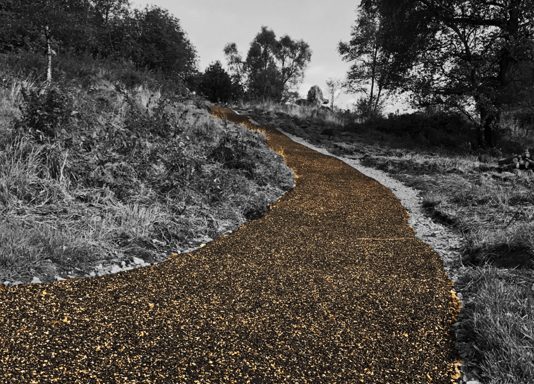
<point x="490" y="129"/>
<point x="373" y="79"/>
<point x="332" y="95"/>
<point x="489" y="122"/>
<point x="377" y="101"/>
<point x="49" y="54"/>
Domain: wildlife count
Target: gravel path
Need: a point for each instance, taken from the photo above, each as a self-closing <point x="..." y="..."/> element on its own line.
<point x="332" y="285"/>
<point x="443" y="240"/>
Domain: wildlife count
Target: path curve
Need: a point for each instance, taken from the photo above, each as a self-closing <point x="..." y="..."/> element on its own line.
<point x="331" y="285"/>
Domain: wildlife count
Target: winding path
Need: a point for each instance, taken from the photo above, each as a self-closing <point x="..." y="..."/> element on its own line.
<point x="331" y="285"/>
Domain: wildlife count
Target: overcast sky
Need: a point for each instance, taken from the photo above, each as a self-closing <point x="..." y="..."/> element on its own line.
<point x="210" y="24"/>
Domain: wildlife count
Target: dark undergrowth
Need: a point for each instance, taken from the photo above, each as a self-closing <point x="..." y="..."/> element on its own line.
<point x="103" y="169"/>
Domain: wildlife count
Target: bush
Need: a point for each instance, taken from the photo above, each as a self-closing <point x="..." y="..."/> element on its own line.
<point x="45" y="113"/>
<point x="216" y="84"/>
<point x="441" y="130"/>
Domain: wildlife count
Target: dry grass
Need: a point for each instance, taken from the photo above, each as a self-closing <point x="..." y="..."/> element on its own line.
<point x="298" y="111"/>
<point x="496" y="327"/>
<point x="132" y="174"/>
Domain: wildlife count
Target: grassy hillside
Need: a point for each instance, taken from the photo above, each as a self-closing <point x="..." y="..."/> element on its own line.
<point x="491" y="211"/>
<point x="106" y="169"/>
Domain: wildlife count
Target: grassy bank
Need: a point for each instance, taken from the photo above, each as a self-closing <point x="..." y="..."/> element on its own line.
<point x="493" y="213"/>
<point x="114" y="174"/>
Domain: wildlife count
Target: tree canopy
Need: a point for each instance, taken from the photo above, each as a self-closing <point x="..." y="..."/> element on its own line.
<point x="216" y="84"/>
<point x="151" y="38"/>
<point x="273" y="66"/>
<point x="465" y="55"/>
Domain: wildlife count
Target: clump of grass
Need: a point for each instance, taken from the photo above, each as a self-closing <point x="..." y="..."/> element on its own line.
<point x="507" y="247"/>
<point x="496" y="327"/>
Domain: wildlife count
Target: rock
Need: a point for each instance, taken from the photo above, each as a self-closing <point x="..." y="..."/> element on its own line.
<point x="138" y="261"/>
<point x="522" y="161"/>
<point x="315" y="96"/>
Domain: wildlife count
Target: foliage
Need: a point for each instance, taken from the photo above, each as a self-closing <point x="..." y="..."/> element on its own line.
<point x="450" y="131"/>
<point x="465" y="55"/>
<point x="372" y="70"/>
<point x="156" y="41"/>
<point x="45" y="113"/>
<point x="150" y="38"/>
<point x="272" y="66"/>
<point x="216" y="84"/>
<point x="368" y="111"/>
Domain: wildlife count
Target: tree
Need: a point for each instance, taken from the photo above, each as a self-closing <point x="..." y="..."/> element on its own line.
<point x="264" y="78"/>
<point x="155" y="40"/>
<point x="293" y="57"/>
<point x="38" y="25"/>
<point x="464" y="55"/>
<point x="48" y="26"/>
<point x="372" y="70"/>
<point x="150" y="38"/>
<point x="216" y="83"/>
<point x="334" y="90"/>
<point x="272" y="66"/>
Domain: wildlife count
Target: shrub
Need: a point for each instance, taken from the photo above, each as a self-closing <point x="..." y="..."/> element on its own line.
<point x="46" y="113"/>
<point x="216" y="84"/>
<point x="442" y="130"/>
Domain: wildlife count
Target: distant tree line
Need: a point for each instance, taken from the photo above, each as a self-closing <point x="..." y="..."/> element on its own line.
<point x="272" y="70"/>
<point x="150" y="38"/>
<point x="475" y="57"/>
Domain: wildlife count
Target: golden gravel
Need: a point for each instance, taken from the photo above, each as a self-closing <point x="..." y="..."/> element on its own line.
<point x="330" y="286"/>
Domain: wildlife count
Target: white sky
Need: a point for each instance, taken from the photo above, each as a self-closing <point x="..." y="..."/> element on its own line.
<point x="211" y="24"/>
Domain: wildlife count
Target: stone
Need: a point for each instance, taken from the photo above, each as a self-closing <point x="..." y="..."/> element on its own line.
<point x="138" y="261"/>
<point x="315" y="96"/>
